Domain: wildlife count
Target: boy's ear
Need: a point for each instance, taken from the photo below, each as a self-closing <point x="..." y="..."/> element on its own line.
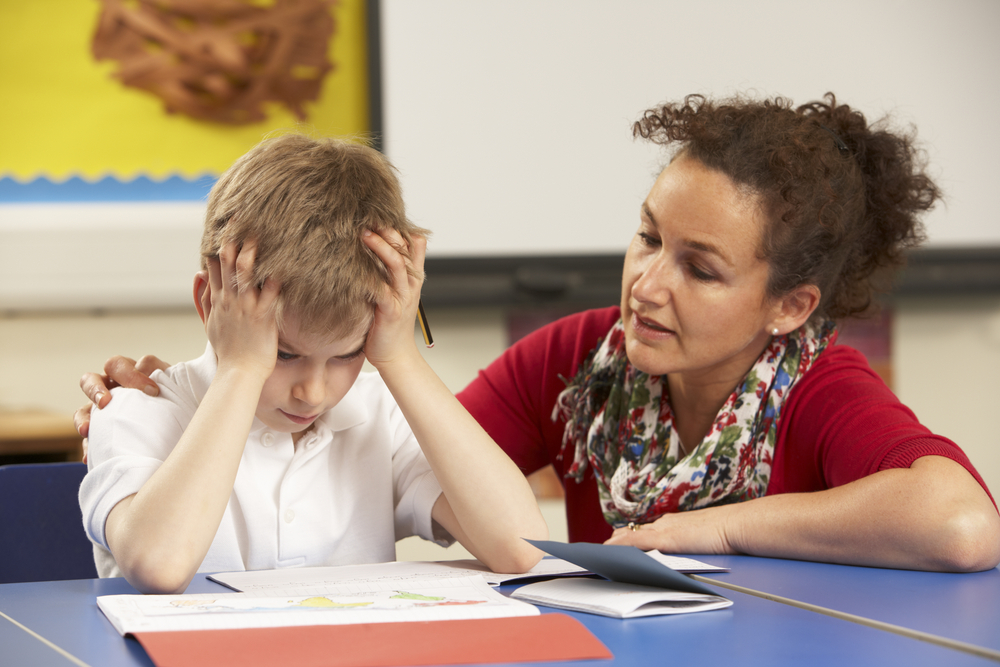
<point x="794" y="309"/>
<point x="202" y="295"/>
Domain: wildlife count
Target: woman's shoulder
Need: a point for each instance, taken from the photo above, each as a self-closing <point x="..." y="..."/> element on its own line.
<point x="840" y="372"/>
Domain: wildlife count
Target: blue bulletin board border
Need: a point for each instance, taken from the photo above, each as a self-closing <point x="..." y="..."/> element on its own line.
<point x="176" y="188"/>
<point x="107" y="189"/>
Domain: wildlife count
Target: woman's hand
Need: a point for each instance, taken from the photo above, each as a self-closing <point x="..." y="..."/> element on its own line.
<point x="392" y="334"/>
<point x="239" y="316"/>
<point x="694" y="532"/>
<point x="119" y="371"/>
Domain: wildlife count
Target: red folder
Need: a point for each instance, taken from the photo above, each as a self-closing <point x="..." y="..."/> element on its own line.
<point x="493" y="640"/>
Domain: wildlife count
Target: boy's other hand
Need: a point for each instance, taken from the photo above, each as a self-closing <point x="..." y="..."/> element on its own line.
<point x="392" y="333"/>
<point x="119" y="371"/>
<point x="239" y="315"/>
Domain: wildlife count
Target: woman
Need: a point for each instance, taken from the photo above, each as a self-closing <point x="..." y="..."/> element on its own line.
<point x="712" y="411"/>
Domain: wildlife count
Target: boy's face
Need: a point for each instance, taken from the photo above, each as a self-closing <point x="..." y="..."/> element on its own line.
<point x="310" y="376"/>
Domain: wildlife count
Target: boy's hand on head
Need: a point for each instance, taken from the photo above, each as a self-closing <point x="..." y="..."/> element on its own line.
<point x="239" y="319"/>
<point x="392" y="333"/>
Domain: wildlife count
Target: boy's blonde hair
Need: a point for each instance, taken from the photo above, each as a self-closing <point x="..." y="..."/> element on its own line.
<point x="306" y="202"/>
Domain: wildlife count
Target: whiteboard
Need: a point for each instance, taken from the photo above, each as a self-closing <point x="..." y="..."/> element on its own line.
<point x="510" y="121"/>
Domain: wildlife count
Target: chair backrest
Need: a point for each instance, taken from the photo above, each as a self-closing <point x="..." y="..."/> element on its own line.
<point x="41" y="526"/>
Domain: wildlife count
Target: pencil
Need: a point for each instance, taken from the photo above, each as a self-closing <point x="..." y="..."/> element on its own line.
<point x="425" y="328"/>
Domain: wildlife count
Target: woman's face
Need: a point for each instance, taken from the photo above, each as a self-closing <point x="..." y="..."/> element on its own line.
<point x="693" y="288"/>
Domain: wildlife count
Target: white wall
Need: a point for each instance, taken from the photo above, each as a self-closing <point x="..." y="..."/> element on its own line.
<point x="545" y="93"/>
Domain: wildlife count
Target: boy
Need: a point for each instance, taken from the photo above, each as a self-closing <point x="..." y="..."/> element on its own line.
<point x="272" y="450"/>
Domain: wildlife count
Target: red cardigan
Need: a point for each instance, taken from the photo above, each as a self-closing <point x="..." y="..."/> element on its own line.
<point x="840" y="421"/>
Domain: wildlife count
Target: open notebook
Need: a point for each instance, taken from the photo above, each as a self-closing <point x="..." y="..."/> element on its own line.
<point x="635" y="584"/>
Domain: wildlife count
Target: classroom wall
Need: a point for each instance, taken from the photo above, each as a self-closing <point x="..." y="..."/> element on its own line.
<point x="945" y="352"/>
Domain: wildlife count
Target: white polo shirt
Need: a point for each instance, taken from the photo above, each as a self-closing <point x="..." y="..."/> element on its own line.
<point x="355" y="484"/>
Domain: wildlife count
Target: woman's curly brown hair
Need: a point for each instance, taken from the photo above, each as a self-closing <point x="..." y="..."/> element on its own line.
<point x="843" y="196"/>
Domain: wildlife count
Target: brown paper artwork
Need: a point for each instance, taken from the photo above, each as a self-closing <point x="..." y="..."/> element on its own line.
<point x="219" y="60"/>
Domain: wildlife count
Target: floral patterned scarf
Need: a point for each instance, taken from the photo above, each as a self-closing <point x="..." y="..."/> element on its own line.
<point x="619" y="421"/>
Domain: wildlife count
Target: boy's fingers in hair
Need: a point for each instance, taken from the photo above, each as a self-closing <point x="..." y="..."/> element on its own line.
<point x="214" y="272"/>
<point x="382" y="247"/>
<point x="228" y="255"/>
<point x="243" y="266"/>
<point x="384" y="250"/>
<point x="269" y="292"/>
<point x="418" y="252"/>
<point x="396" y="240"/>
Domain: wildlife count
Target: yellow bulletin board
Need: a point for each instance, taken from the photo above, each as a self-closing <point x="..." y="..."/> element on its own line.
<point x="63" y="114"/>
<point x="93" y="168"/>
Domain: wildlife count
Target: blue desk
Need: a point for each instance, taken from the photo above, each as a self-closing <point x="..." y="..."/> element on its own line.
<point x="961" y="607"/>
<point x="754" y="631"/>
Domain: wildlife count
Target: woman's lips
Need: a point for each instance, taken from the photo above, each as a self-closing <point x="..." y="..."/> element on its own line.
<point x="297" y="419"/>
<point x="649" y="328"/>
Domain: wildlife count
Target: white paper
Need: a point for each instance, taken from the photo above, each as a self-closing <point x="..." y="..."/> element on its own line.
<point x="685" y="565"/>
<point x="311" y="580"/>
<point x="414" y="599"/>
<point x="612" y="598"/>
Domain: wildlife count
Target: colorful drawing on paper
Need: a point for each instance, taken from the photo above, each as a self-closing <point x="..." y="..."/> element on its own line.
<point x="376" y="601"/>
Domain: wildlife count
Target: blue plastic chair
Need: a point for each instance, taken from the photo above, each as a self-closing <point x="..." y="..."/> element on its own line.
<point x="41" y="526"/>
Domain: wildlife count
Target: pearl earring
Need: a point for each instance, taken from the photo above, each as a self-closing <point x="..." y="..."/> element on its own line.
<point x="774" y="331"/>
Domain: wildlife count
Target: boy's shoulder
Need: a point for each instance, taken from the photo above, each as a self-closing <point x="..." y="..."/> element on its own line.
<point x="135" y="422"/>
<point x="187" y="381"/>
<point x="182" y="385"/>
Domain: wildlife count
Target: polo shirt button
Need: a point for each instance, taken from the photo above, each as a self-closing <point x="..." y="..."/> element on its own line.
<point x="289" y="516"/>
<point x="267" y="439"/>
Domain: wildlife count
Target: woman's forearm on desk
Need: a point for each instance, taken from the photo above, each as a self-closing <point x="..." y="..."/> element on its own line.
<point x="931" y="516"/>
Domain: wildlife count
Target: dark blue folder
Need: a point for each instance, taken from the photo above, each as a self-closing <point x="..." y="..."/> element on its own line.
<point x="622" y="563"/>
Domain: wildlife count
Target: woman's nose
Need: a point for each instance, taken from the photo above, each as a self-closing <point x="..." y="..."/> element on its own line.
<point x="653" y="284"/>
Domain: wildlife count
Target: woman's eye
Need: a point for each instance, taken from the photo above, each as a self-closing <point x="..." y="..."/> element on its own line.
<point x="648" y="239"/>
<point x="700" y="274"/>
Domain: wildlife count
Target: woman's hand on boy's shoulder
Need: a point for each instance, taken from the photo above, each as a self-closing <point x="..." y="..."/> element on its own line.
<point x="119" y="371"/>
<point x="392" y="335"/>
